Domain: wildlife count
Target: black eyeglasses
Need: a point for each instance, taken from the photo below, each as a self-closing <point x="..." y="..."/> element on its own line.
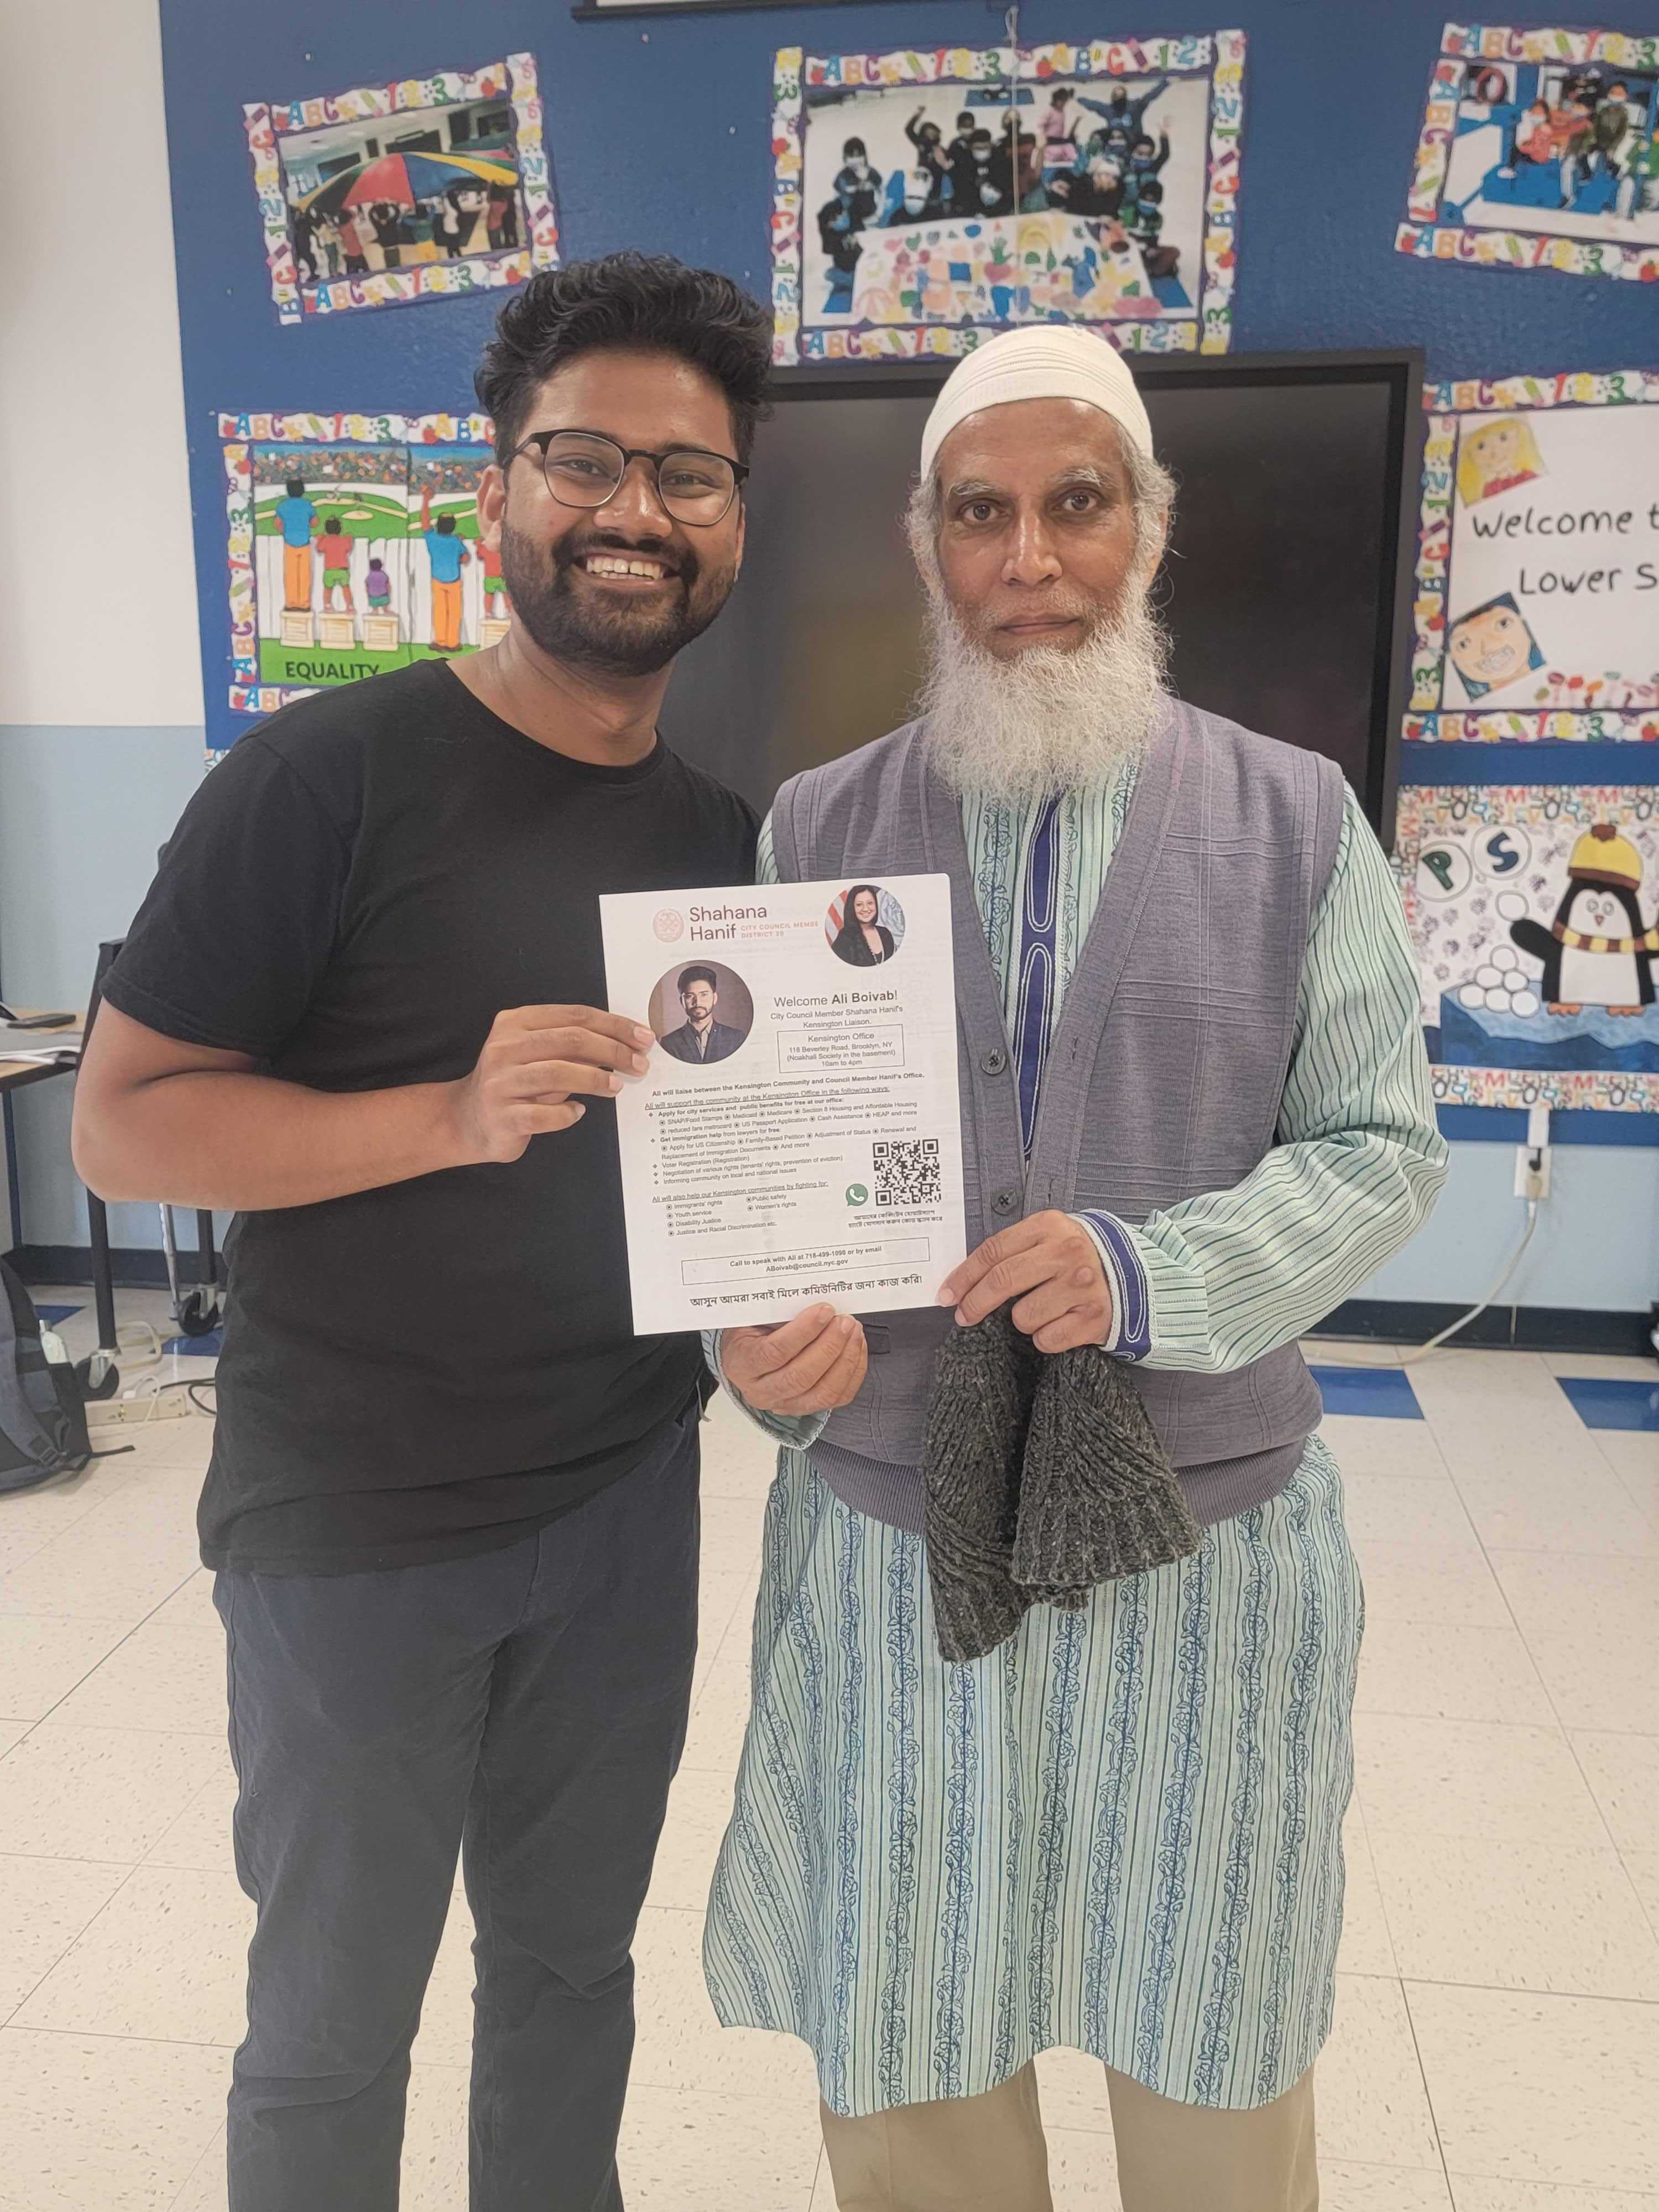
<point x="584" y="469"/>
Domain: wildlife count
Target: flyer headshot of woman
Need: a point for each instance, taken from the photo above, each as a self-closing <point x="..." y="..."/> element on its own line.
<point x="862" y="940"/>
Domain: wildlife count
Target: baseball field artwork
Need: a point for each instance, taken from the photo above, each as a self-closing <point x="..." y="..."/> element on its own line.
<point x="1537" y="607"/>
<point x="922" y="198"/>
<point x="353" y="548"/>
<point x="1536" y="910"/>
<point x="1540" y="149"/>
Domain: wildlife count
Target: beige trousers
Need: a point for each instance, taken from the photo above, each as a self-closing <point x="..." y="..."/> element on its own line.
<point x="988" y="2154"/>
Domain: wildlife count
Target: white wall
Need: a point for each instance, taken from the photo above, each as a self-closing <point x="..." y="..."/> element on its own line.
<point x="91" y="416"/>
<point x="100" y="690"/>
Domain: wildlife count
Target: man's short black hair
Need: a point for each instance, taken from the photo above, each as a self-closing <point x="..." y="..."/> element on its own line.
<point x="853" y="146"/>
<point x="965" y="121"/>
<point x="295" y="486"/>
<point x="445" y="526"/>
<point x="642" y="302"/>
<point x="689" y="975"/>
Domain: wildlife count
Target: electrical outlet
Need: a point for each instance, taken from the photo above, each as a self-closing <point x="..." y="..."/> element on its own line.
<point x="1532" y="1171"/>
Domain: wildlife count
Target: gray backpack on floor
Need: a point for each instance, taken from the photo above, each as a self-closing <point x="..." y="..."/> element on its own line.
<point x="43" y="1422"/>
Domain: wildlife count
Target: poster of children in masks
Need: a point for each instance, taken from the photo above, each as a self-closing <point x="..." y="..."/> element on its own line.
<point x="1535" y="912"/>
<point x="919" y="196"/>
<point x="1538" y="573"/>
<point x="1540" y="149"/>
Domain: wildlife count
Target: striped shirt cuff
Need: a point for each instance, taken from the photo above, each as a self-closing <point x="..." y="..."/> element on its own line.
<point x="1130" y="1336"/>
<point x="795" y="1429"/>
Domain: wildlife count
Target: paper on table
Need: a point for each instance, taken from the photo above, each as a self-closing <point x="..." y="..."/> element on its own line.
<point x="798" y="1139"/>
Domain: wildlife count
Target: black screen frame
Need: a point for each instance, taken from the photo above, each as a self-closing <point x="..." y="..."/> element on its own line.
<point x="1400" y="369"/>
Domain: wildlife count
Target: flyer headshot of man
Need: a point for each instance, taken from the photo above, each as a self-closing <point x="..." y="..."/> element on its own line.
<point x="702" y="1038"/>
<point x="863" y="939"/>
<point x="967" y="1827"/>
<point x="451" y="1508"/>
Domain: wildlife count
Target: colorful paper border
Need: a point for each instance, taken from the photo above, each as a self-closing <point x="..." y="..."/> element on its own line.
<point x="268" y="123"/>
<point x="238" y="434"/>
<point x="1426" y="721"/>
<point x="1425" y="236"/>
<point x="1425" y="809"/>
<point x="1220" y="55"/>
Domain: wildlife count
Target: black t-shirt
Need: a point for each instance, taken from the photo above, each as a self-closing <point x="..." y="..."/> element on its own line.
<point x="442" y="1366"/>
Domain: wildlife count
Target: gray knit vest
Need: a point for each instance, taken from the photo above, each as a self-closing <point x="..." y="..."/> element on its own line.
<point x="1165" y="1073"/>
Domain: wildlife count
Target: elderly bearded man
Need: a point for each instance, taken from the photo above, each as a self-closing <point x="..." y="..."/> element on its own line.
<point x="1196" y="1115"/>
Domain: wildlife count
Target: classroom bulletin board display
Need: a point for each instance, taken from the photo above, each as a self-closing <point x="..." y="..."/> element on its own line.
<point x="353" y="548"/>
<point x="925" y="197"/>
<point x="1540" y="149"/>
<point x="1535" y="912"/>
<point x="392" y="193"/>
<point x="1536" y="610"/>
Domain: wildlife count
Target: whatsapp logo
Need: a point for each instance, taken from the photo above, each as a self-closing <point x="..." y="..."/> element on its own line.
<point x="857" y="1194"/>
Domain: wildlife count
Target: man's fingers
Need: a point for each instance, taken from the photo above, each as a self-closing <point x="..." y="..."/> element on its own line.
<point x="555" y="1079"/>
<point x="533" y="1121"/>
<point x="766" y="1351"/>
<point x="578" y="1018"/>
<point x="800" y="1377"/>
<point x="980" y="1260"/>
<point x="569" y="1042"/>
<point x="838" y="1388"/>
<point x="1010" y="1278"/>
<point x="1068" y="1291"/>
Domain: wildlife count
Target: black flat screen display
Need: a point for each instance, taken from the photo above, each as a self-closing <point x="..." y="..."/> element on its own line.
<point x="1285" y="589"/>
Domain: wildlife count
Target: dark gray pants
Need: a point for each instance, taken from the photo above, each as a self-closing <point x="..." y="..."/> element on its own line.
<point x="527" y="1709"/>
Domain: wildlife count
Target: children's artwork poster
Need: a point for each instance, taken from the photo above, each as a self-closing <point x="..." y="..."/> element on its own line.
<point x="922" y="198"/>
<point x="1535" y="912"/>
<point x="354" y="548"/>
<point x="1537" y="598"/>
<point x="1540" y="149"/>
<point x="396" y="192"/>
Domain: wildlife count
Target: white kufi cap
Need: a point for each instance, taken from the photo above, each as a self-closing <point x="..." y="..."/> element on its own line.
<point x="1044" y="360"/>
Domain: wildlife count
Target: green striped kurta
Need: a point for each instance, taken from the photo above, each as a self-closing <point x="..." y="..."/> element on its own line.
<point x="1120" y="1832"/>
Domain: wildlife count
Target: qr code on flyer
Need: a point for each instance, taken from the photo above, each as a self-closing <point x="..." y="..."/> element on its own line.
<point x="906" y="1171"/>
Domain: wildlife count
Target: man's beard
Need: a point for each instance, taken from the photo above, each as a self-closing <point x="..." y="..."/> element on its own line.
<point x="628" y="636"/>
<point x="1047" y="720"/>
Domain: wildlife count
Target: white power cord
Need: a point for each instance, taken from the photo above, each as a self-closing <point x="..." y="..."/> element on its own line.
<point x="1424" y="1351"/>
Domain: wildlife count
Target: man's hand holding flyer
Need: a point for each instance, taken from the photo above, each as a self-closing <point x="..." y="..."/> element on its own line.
<point x="798" y="1139"/>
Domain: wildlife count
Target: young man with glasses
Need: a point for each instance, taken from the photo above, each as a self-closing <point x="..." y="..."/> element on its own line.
<point x="452" y="1497"/>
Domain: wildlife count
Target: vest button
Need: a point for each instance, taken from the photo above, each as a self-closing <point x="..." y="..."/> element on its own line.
<point x="1005" y="1201"/>
<point x="995" y="1061"/>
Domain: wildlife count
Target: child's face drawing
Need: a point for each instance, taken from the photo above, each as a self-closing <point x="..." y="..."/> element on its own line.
<point x="1498" y="448"/>
<point x="1491" y="647"/>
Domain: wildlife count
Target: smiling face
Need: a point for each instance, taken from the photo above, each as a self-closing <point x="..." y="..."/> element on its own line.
<point x="699" y="999"/>
<point x="1497" y="446"/>
<point x="1037" y="531"/>
<point x="865" y="909"/>
<point x="618" y="589"/>
<point x="1491" y="647"/>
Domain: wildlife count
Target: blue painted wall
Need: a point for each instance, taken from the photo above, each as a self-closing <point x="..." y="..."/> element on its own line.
<point x="658" y="132"/>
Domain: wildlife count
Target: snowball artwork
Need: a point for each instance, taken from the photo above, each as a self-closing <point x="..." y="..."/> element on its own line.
<point x="1540" y="149"/>
<point x="1536" y="910"/>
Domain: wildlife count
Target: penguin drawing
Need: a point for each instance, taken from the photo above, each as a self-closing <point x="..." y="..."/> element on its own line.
<point x="1597" y="952"/>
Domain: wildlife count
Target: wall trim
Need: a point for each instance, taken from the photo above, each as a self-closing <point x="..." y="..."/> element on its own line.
<point x="132" y="1267"/>
<point x="1521" y="1328"/>
<point x="1388" y="1320"/>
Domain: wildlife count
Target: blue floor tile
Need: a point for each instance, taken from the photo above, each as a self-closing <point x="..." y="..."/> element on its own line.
<point x="195" y="1347"/>
<point x="1384" y="1393"/>
<point x="54" y="1316"/>
<point x="1604" y="1405"/>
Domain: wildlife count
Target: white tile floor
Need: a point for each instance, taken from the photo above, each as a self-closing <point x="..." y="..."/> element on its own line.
<point x="1497" y="2044"/>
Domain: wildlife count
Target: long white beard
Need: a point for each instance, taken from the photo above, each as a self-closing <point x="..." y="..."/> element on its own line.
<point x="1047" y="720"/>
